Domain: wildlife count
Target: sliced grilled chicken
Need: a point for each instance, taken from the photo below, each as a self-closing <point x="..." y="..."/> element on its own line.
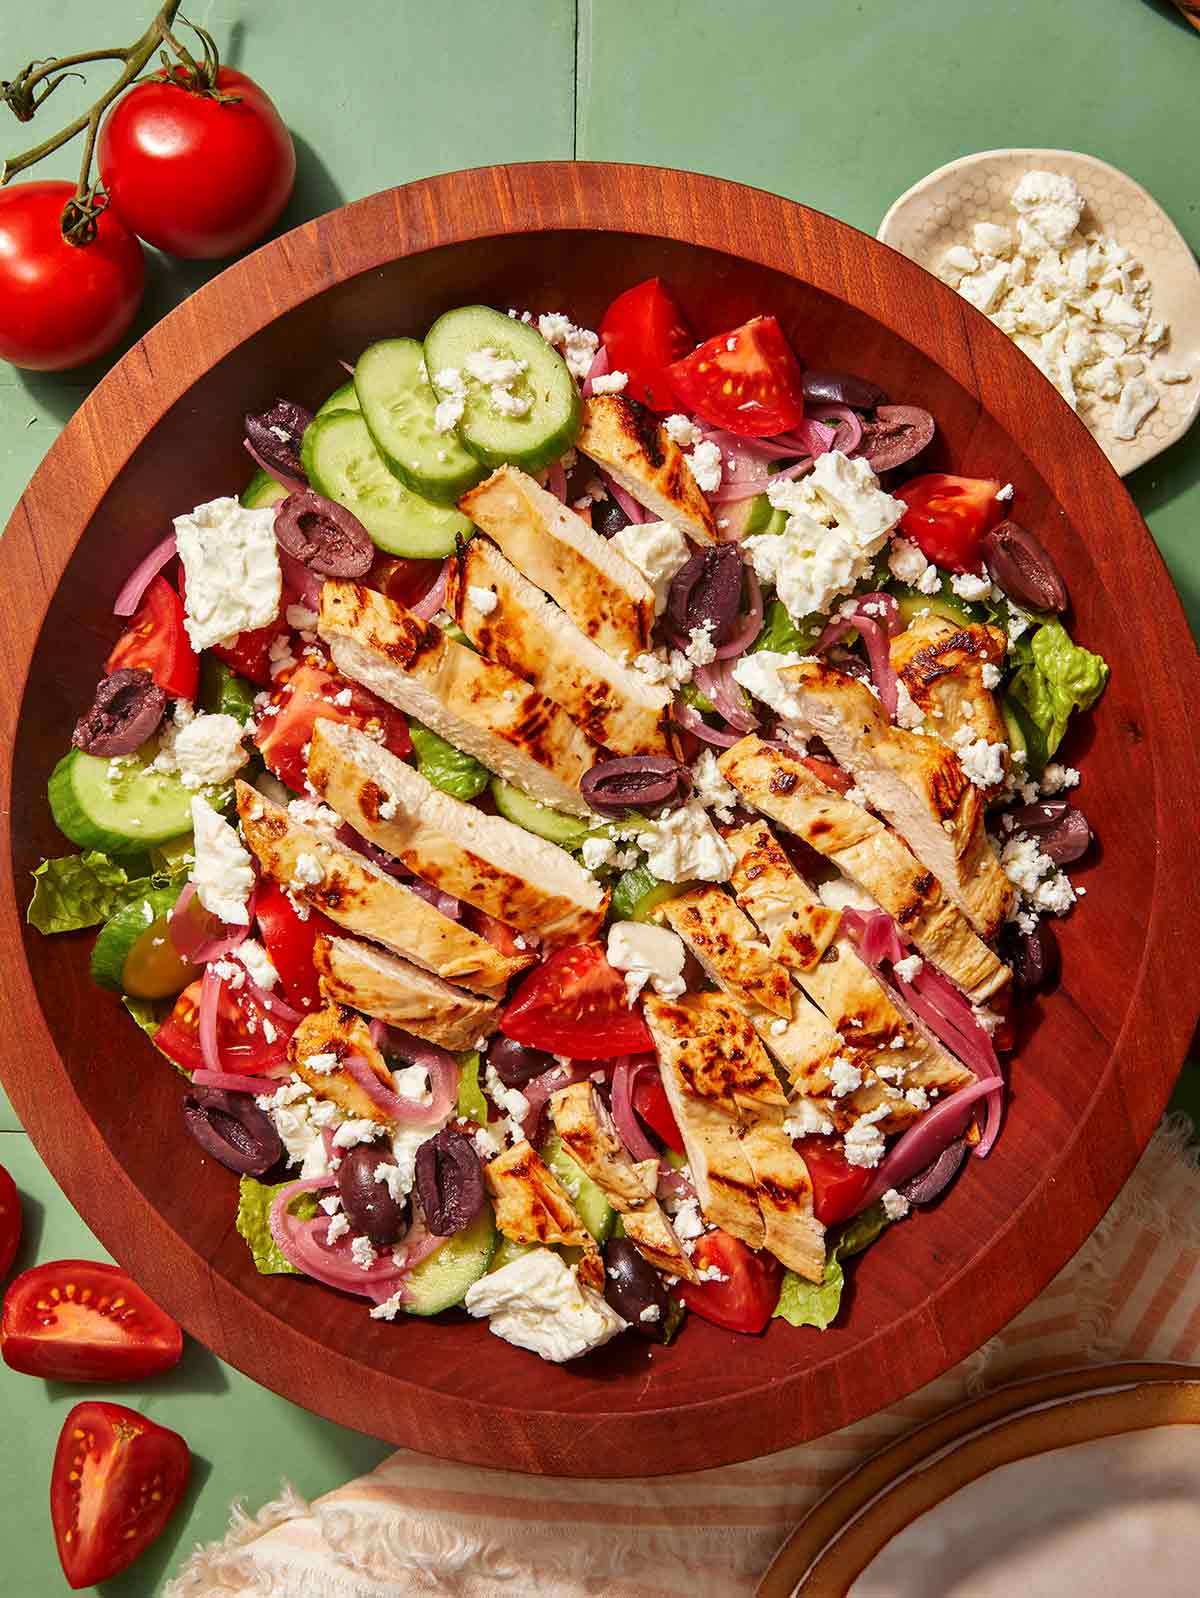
<point x="357" y="895"/>
<point x="604" y="594"/>
<point x="513" y="622"/>
<point x="331" y="1035"/>
<point x="532" y="1206"/>
<point x="915" y="783"/>
<point x="401" y="994"/>
<point x="941" y="665"/>
<point x="485" y="860"/>
<point x="633" y="447"/>
<point x="478" y="706"/>
<point x="590" y="1136"/>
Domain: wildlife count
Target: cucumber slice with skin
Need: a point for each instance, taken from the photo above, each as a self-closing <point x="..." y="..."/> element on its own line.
<point x="342" y="463"/>
<point x="554" y="825"/>
<point x="173" y="855"/>
<point x="342" y="399"/>
<point x="140" y="807"/>
<point x="441" y="1281"/>
<point x="743" y="518"/>
<point x="398" y="405"/>
<point x="134" y="953"/>
<point x="912" y="602"/>
<point x="547" y="429"/>
<point x="262" y="490"/>
<point x="508" y="1251"/>
<point x="638" y="893"/>
<point x="594" y="1210"/>
<point x="223" y="692"/>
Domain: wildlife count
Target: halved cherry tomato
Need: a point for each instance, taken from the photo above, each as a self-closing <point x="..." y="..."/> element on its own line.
<point x="838" y="1186"/>
<point x="405" y="581"/>
<point x="832" y="776"/>
<point x="250" y="652"/>
<point x="246" y="1045"/>
<point x="746" y="381"/>
<point x="80" y="1321"/>
<point x="309" y="693"/>
<point x="10" y="1222"/>
<point x="746" y="1300"/>
<point x="574" y="1004"/>
<point x="498" y="933"/>
<point x="948" y="516"/>
<point x="116" y="1481"/>
<point x="644" y="331"/>
<point x="651" y="1103"/>
<point x="290" y="941"/>
<point x="157" y="641"/>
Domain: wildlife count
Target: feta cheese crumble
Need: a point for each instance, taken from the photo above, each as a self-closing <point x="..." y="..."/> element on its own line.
<point x="657" y="550"/>
<point x="207" y="750"/>
<point x="231" y="569"/>
<point x="223" y="871"/>
<point x="683" y="845"/>
<point x="803" y="1118"/>
<point x="895" y="1205"/>
<point x="647" y="954"/>
<point x="609" y="382"/>
<point x="537" y="1302"/>
<point x="705" y="462"/>
<point x="484" y="600"/>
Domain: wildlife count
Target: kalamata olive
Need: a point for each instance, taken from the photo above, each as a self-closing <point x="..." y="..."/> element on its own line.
<point x="894" y="435"/>
<point x="127" y="709"/>
<point x="516" y="1065"/>
<point x="707" y="591"/>
<point x="1061" y="831"/>
<point x="324" y="535"/>
<point x="232" y="1128"/>
<point x="635" y="1289"/>
<point x="367" y="1199"/>
<point x="636" y="782"/>
<point x="608" y="517"/>
<point x="1020" y="564"/>
<point x="276" y="435"/>
<point x="842" y="388"/>
<point x="1033" y="956"/>
<point x="936" y="1178"/>
<point x="449" y="1182"/>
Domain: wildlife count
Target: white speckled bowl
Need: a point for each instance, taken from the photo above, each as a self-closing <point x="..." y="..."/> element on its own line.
<point x="940" y="210"/>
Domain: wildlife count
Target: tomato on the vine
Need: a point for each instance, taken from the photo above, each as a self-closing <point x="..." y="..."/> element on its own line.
<point x="197" y="172"/>
<point x="62" y="304"/>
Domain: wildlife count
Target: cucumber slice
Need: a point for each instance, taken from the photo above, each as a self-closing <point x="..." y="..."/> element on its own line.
<point x="139" y="808"/>
<point x="342" y="399"/>
<point x="508" y="1251"/>
<point x="223" y="692"/>
<point x="398" y="405"/>
<point x="743" y="518"/>
<point x="173" y="855"/>
<point x="554" y="825"/>
<point x="912" y="602"/>
<point x="547" y="429"/>
<point x="441" y="1281"/>
<point x="134" y="953"/>
<point x="1025" y="735"/>
<point x="261" y="490"/>
<point x="638" y="893"/>
<point x="343" y="464"/>
<point x="596" y="1213"/>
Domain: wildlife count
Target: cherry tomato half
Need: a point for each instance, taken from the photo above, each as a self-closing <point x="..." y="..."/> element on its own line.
<point x="746" y="381"/>
<point x="290" y="940"/>
<point x="81" y="1321"/>
<point x="948" y="516"/>
<point x="242" y="1039"/>
<point x="746" y="1299"/>
<point x="404" y="581"/>
<point x="643" y="331"/>
<point x="652" y="1105"/>
<point x="10" y="1222"/>
<point x="838" y="1186"/>
<point x="574" y="1004"/>
<point x="157" y="641"/>
<point x="310" y="693"/>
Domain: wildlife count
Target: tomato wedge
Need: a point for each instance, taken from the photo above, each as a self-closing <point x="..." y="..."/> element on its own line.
<point x="312" y="692"/>
<point x="404" y="580"/>
<point x="10" y="1222"/>
<point x="246" y="1045"/>
<point x="746" y="381"/>
<point x="832" y="776"/>
<point x="948" y="516"/>
<point x="651" y="1103"/>
<point x="746" y="1299"/>
<point x="574" y="1004"/>
<point x="157" y="641"/>
<point x="116" y="1481"/>
<point x="644" y="331"/>
<point x="498" y="933"/>
<point x="250" y="652"/>
<point x="838" y="1186"/>
<point x="290" y="940"/>
<point x="80" y="1321"/>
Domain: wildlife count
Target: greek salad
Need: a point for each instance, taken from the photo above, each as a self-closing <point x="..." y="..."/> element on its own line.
<point x="579" y="821"/>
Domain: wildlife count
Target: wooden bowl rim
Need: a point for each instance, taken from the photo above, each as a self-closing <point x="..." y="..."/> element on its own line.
<point x="794" y="240"/>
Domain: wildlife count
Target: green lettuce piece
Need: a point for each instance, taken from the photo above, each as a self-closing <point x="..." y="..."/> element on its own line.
<point x="76" y="890"/>
<point x="817" y="1303"/>
<point x="144" y="1012"/>
<point x="446" y="767"/>
<point x="782" y="635"/>
<point x="1059" y="677"/>
<point x="691" y="695"/>
<point x="472" y="1105"/>
<point x="222" y="691"/>
<point x="254" y="1223"/>
<point x="676" y="1311"/>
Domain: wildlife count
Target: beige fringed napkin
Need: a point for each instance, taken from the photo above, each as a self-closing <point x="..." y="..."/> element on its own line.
<point x="418" y="1525"/>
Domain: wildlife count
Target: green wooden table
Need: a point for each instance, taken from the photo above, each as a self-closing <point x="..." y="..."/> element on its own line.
<point x="839" y="105"/>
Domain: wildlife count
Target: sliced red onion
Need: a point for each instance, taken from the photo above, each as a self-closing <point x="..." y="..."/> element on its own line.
<point x="294" y="485"/>
<point x="230" y="1081"/>
<point x="635" y="782"/>
<point x="274" y="1006"/>
<point x="138" y="581"/>
<point x="599" y="368"/>
<point x="437" y="897"/>
<point x="849" y="420"/>
<point x="690" y="719"/>
<point x="346" y="834"/>
<point x="385" y="1100"/>
<point x="197" y="934"/>
<point x="811" y="437"/>
<point x="430" y="603"/>
<point x="716" y="682"/>
<point x="556" y="481"/>
<point x="636" y="514"/>
<point x="302" y="1244"/>
<point x="921" y="1144"/>
<point x="875" y="634"/>
<point x="625" y="1075"/>
<point x="210" y="998"/>
<point x="439" y="1064"/>
<point x="539" y="1090"/>
<point x="304" y="586"/>
<point x="674" y="1182"/>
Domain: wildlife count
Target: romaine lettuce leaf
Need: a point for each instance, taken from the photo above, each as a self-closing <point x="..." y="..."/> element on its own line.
<point x="782" y="635"/>
<point x="1059" y="677"/>
<point x="472" y="1105"/>
<point x="254" y="1223"/>
<point x="76" y="890"/>
<point x="446" y="767"/>
<point x="817" y="1303"/>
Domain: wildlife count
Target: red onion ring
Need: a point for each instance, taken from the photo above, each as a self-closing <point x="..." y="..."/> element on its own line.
<point x="637" y="515"/>
<point x="210" y="998"/>
<point x="538" y="1091"/>
<point x="231" y="1081"/>
<point x="437" y="897"/>
<point x="388" y="1102"/>
<point x="440" y="1065"/>
<point x="292" y="484"/>
<point x="329" y="1263"/>
<point x="921" y="1144"/>
<point x="808" y="437"/>
<point x="430" y="603"/>
<point x="299" y="580"/>
<point x="273" y="1006"/>
<point x="875" y="636"/>
<point x="599" y="368"/>
<point x="136" y="584"/>
<point x="690" y="719"/>
<point x="625" y="1075"/>
<point x="849" y="419"/>
<point x="716" y="682"/>
<point x="194" y="938"/>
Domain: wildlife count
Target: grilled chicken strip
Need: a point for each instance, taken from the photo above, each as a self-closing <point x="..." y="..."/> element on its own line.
<point x="513" y="622"/>
<point x="400" y="993"/>
<point x="336" y="1030"/>
<point x="781" y="786"/>
<point x="357" y="895"/>
<point x="489" y="862"/>
<point x="633" y="447"/>
<point x="590" y="1136"/>
<point x="532" y="1206"/>
<point x="604" y="594"/>
<point x="916" y="783"/>
<point x="941" y="664"/>
<point x="478" y="706"/>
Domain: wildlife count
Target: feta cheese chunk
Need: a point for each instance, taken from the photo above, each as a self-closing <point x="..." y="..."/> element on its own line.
<point x="259" y="965"/>
<point x="537" y="1302"/>
<point x="758" y="674"/>
<point x="895" y="1205"/>
<point x="803" y="1118"/>
<point x="208" y="750"/>
<point x="231" y="570"/>
<point x="1049" y="205"/>
<point x="223" y="872"/>
<point x="684" y="846"/>
<point x="658" y="550"/>
<point x="647" y="954"/>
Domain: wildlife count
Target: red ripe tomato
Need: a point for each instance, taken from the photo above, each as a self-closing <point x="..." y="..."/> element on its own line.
<point x="498" y="933"/>
<point x="652" y="1105"/>
<point x="80" y="1321"/>
<point x="403" y="581"/>
<point x="838" y="1186"/>
<point x="250" y="652"/>
<point x="116" y="1481"/>
<point x="832" y="776"/>
<point x="574" y="1004"/>
<point x="241" y="1037"/>
<point x="644" y="331"/>
<point x="746" y="381"/>
<point x="194" y="174"/>
<point x="10" y="1222"/>
<point x="157" y="641"/>
<point x="308" y="694"/>
<point x="744" y="1302"/>
<point x="62" y="304"/>
<point x="290" y="941"/>
<point x="948" y="516"/>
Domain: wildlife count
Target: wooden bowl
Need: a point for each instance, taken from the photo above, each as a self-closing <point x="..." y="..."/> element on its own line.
<point x="1096" y="1060"/>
